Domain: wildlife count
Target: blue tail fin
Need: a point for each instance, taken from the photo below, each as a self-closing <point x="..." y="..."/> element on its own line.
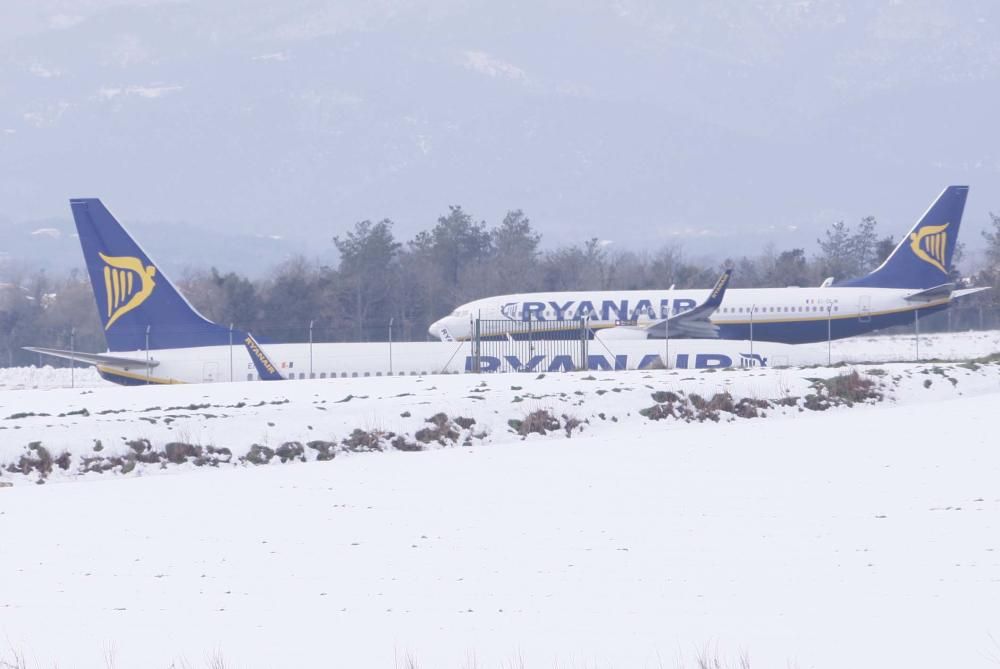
<point x="138" y="305"/>
<point x="923" y="258"/>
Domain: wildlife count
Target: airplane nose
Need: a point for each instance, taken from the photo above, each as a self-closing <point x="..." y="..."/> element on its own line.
<point x="435" y="329"/>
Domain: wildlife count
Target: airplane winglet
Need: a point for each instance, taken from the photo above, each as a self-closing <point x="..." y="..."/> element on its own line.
<point x="266" y="369"/>
<point x="719" y="291"/>
<point x="690" y="324"/>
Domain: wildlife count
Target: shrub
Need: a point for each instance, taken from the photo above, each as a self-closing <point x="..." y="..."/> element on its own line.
<point x="537" y="422"/>
<point x="38" y="459"/>
<point x="751" y="408"/>
<point x="178" y="452"/>
<point x="139" y="445"/>
<point x="400" y="443"/>
<point x="850" y="388"/>
<point x="815" y="402"/>
<point x="464" y="423"/>
<point x="658" y="411"/>
<point x="291" y="450"/>
<point x="362" y="441"/>
<point x="325" y="450"/>
<point x="259" y="455"/>
<point x="663" y="396"/>
<point x="571" y="423"/>
<point x="441" y="430"/>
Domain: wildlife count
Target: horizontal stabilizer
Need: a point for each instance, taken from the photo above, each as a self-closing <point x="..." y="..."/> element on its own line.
<point x="965" y="292"/>
<point x="935" y="293"/>
<point x="94" y="358"/>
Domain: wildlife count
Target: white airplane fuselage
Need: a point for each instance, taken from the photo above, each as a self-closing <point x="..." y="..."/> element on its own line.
<point x="210" y="364"/>
<point x="785" y="315"/>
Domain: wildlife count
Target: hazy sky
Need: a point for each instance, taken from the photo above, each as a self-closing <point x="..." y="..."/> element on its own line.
<point x="722" y="126"/>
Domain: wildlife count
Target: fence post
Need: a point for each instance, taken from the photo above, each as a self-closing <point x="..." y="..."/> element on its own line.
<point x="72" y="357"/>
<point x="829" y="333"/>
<point x="147" y="355"/>
<point x="753" y="308"/>
<point x="230" y="352"/>
<point x="391" y="318"/>
<point x="666" y="341"/>
<point x="916" y="330"/>
<point x="477" y="341"/>
<point x="311" y="349"/>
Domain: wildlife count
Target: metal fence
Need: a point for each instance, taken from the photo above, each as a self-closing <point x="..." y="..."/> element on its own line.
<point x="496" y="349"/>
<point x="574" y="339"/>
<point x="953" y="319"/>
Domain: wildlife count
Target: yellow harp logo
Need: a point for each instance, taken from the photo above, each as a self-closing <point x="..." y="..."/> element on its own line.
<point x="930" y="244"/>
<point x="127" y="285"/>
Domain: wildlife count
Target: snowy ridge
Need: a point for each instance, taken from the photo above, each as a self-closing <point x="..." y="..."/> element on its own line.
<point x="22" y="378"/>
<point x="67" y="432"/>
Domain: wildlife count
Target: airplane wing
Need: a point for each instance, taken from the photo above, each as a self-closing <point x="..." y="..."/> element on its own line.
<point x="690" y="324"/>
<point x="93" y="358"/>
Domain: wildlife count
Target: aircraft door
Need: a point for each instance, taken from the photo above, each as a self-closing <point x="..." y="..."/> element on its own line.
<point x="210" y="372"/>
<point x="865" y="309"/>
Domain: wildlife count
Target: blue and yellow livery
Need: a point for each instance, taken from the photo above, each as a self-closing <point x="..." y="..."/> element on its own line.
<point x="913" y="281"/>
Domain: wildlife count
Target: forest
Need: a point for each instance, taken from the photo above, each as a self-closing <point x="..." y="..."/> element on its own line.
<point x="380" y="278"/>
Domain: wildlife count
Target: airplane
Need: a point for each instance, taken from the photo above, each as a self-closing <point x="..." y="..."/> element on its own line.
<point x="155" y="336"/>
<point x="912" y="282"/>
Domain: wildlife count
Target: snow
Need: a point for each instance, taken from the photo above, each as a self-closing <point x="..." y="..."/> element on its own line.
<point x="20" y="378"/>
<point x="864" y="536"/>
<point x="103" y="421"/>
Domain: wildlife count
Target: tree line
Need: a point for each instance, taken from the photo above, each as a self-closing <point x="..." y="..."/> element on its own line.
<point x="380" y="278"/>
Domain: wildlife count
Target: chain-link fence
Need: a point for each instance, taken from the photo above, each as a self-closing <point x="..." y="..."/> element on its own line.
<point x="954" y="319"/>
<point x="87" y="338"/>
<point x="495" y="349"/>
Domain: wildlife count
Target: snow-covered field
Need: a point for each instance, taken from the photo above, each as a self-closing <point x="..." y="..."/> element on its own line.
<point x="66" y="432"/>
<point x="817" y="536"/>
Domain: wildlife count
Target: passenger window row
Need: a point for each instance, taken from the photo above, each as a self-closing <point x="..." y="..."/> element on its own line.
<point x="776" y="310"/>
<point x="354" y="375"/>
